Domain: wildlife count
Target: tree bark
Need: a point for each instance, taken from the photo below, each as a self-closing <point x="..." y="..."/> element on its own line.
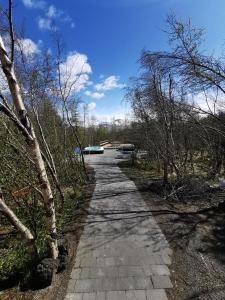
<point x="165" y="172"/>
<point x="13" y="219"/>
<point x="50" y="161"/>
<point x="33" y="148"/>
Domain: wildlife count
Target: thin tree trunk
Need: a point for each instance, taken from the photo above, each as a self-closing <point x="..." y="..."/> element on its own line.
<point x="13" y="219"/>
<point x="33" y="148"/>
<point x="77" y="140"/>
<point x="50" y="162"/>
<point x="165" y="172"/>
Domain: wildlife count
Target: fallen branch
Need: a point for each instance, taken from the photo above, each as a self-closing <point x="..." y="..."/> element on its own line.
<point x="174" y="192"/>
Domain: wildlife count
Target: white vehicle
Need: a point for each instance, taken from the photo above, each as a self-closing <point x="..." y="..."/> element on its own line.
<point x="93" y="150"/>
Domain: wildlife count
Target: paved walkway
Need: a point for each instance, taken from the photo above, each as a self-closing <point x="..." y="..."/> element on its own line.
<point x="121" y="255"/>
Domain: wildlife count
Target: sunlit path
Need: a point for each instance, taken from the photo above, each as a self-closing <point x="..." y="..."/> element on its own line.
<point x="121" y="255"/>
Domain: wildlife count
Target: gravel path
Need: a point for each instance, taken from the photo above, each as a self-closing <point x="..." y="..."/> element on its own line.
<point x="121" y="255"/>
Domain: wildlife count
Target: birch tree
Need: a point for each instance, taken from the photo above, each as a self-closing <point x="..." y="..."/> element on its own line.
<point x="24" y="124"/>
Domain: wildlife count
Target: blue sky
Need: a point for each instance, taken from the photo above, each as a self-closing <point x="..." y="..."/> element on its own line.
<point x="110" y="34"/>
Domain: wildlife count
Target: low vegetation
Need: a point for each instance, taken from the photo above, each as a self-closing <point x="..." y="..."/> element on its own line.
<point x="41" y="176"/>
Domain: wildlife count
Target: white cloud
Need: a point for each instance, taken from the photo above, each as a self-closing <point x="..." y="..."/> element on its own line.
<point x="75" y="64"/>
<point x="74" y="72"/>
<point x="34" y="4"/>
<point x="68" y="19"/>
<point x="122" y="112"/>
<point x="108" y="118"/>
<point x="207" y="102"/>
<point x="88" y="106"/>
<point x="80" y="81"/>
<point x="95" y="95"/>
<point x="28" y="47"/>
<point x="111" y="82"/>
<point x="45" y="23"/>
<point x="23" y="45"/>
<point x="52" y="12"/>
<point x="91" y="106"/>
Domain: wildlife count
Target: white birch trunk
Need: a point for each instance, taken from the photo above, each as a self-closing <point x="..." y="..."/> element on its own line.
<point x="33" y="148"/>
<point x="15" y="221"/>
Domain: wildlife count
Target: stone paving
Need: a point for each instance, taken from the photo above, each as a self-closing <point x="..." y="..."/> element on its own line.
<point x="122" y="253"/>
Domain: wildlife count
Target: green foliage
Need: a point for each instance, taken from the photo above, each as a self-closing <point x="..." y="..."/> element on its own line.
<point x="41" y="244"/>
<point x="19" y="182"/>
<point x="72" y="196"/>
<point x="14" y="261"/>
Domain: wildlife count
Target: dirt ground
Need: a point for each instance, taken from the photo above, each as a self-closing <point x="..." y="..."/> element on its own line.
<point x="70" y="235"/>
<point x="197" y="239"/>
